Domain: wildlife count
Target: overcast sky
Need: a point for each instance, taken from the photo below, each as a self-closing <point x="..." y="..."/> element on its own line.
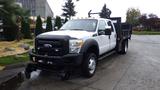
<point x="118" y="7"/>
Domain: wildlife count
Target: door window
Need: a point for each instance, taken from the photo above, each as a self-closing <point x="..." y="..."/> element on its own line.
<point x="102" y="25"/>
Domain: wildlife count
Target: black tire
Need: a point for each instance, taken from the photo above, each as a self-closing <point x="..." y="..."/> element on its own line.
<point x="124" y="47"/>
<point x="89" y="65"/>
<point x="27" y="72"/>
<point x="65" y="76"/>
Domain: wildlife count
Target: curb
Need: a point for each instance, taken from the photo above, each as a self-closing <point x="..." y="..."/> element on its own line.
<point x="12" y="82"/>
<point x="13" y="66"/>
<point x="16" y="65"/>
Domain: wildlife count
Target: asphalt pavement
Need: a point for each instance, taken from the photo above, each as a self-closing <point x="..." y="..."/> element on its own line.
<point x="139" y="69"/>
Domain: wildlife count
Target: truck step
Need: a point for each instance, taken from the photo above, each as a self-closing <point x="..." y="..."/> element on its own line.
<point x="107" y="54"/>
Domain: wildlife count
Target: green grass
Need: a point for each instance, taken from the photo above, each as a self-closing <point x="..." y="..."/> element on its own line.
<point x="30" y="43"/>
<point x="7" y="60"/>
<point x="146" y="33"/>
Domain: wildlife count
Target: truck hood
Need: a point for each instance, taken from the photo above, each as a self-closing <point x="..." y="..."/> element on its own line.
<point x="71" y="33"/>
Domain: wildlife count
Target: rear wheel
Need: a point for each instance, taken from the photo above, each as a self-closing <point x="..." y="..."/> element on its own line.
<point x="89" y="65"/>
<point x="124" y="47"/>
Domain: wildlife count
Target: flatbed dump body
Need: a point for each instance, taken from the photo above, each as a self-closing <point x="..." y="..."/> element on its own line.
<point x="123" y="30"/>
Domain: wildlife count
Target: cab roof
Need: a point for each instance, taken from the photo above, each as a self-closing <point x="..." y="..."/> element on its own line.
<point x="91" y="18"/>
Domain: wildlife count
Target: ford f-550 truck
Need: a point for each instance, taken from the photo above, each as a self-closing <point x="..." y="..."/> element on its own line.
<point x="78" y="43"/>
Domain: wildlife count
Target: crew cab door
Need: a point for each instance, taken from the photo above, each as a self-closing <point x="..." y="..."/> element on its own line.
<point x="113" y="36"/>
<point x="102" y="39"/>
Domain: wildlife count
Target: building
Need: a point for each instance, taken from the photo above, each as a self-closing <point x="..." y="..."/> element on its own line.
<point x="37" y="7"/>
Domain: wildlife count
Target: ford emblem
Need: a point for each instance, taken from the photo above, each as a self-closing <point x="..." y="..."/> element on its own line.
<point x="48" y="45"/>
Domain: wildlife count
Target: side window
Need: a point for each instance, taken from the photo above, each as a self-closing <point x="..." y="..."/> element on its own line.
<point x="110" y="24"/>
<point x="102" y="25"/>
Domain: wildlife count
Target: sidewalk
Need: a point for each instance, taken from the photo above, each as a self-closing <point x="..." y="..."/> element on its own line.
<point x="6" y="75"/>
<point x="8" y="72"/>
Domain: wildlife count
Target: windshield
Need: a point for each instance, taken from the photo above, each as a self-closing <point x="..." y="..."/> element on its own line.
<point x="80" y="24"/>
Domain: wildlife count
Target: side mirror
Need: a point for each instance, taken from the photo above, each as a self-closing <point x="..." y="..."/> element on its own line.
<point x="108" y="30"/>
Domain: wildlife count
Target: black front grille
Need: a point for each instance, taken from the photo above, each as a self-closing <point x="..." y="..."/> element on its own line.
<point x="52" y="47"/>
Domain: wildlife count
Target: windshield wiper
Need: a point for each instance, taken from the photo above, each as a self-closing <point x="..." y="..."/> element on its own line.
<point x="71" y="29"/>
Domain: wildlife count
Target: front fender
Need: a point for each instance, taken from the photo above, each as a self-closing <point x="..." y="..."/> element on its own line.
<point x="89" y="43"/>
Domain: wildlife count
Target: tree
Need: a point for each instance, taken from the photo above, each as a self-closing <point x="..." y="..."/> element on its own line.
<point x="143" y="20"/>
<point x="152" y="15"/>
<point x="133" y="16"/>
<point x="25" y="28"/>
<point x="58" y="23"/>
<point x="28" y="31"/>
<point x="150" y="23"/>
<point x="105" y="12"/>
<point x="9" y="10"/>
<point x="38" y="29"/>
<point x="49" y="24"/>
<point x="68" y="9"/>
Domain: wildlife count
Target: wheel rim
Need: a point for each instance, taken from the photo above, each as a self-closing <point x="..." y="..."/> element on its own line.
<point x="92" y="65"/>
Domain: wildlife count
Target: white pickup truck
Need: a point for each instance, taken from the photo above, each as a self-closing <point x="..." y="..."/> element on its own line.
<point x="78" y="43"/>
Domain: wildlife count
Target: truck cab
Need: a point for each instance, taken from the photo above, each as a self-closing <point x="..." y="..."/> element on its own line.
<point x="78" y="43"/>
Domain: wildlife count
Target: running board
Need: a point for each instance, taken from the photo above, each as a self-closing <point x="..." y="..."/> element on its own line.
<point x="105" y="55"/>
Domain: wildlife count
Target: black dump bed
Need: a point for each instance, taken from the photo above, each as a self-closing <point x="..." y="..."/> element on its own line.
<point x="124" y="30"/>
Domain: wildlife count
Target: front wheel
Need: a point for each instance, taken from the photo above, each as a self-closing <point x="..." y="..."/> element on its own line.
<point x="89" y="65"/>
<point x="28" y="70"/>
<point x="65" y="76"/>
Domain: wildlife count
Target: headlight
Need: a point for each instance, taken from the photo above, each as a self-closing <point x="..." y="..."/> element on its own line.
<point x="75" y="45"/>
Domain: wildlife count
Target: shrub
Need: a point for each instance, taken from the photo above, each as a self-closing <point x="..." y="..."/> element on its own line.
<point x="58" y="23"/>
<point x="25" y="29"/>
<point x="38" y="29"/>
<point x="49" y="24"/>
